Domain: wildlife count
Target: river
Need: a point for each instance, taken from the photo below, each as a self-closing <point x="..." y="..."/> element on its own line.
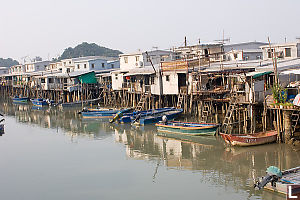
<point x="53" y="154"/>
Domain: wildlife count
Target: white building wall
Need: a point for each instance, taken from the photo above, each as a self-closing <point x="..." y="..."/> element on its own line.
<point x="171" y="86"/>
<point x="131" y="61"/>
<point x="117" y="81"/>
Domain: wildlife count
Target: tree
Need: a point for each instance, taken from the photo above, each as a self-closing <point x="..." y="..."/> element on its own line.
<point x="86" y="49"/>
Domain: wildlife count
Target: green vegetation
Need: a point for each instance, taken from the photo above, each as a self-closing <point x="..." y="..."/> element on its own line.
<point x="8" y="62"/>
<point x="86" y="49"/>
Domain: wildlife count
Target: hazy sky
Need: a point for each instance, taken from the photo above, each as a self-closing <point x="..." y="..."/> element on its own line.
<point x="46" y="28"/>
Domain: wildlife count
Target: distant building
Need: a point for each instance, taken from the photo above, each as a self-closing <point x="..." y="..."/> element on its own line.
<point x="283" y="51"/>
<point x="211" y="51"/>
<point x="4" y="70"/>
<point x="138" y="61"/>
<point x="37" y="66"/>
<point x="17" y="69"/>
<point x="94" y="63"/>
<point x="243" y="51"/>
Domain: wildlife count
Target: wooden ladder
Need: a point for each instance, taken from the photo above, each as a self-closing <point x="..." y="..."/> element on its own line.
<point x="180" y="100"/>
<point x="140" y="106"/>
<point x="227" y="122"/>
<point x="295" y="120"/>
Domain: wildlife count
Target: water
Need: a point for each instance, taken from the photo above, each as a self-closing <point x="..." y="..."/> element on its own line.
<point x="53" y="154"/>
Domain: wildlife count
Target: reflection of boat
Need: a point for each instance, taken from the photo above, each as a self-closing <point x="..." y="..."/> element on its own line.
<point x="39" y="102"/>
<point x="18" y="99"/>
<point x="191" y="138"/>
<point x="250" y="140"/>
<point x="278" y="181"/>
<point x="34" y="107"/>
<point x="188" y="128"/>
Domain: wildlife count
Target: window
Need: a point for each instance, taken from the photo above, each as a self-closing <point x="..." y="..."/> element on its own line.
<point x="168" y="78"/>
<point x="51" y="80"/>
<point x="68" y="70"/>
<point x="112" y="66"/>
<point x="69" y="62"/>
<point x="288" y="52"/>
<point x="235" y="55"/>
<point x="93" y="65"/>
<point x="270" y="53"/>
<point x="84" y="66"/>
<point x="152" y="80"/>
<point x="78" y="66"/>
<point x="42" y="80"/>
<point x="102" y="65"/>
<point x="116" y="76"/>
<point x="137" y="58"/>
<point x="126" y="59"/>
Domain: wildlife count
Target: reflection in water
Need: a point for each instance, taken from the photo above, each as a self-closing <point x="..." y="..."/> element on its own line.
<point x="218" y="165"/>
<point x="67" y="120"/>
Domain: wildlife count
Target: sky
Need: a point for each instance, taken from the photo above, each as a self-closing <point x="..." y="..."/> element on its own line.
<point x="45" y="28"/>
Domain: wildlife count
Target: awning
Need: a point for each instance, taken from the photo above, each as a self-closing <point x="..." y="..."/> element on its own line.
<point x="88" y="78"/>
<point x="257" y="74"/>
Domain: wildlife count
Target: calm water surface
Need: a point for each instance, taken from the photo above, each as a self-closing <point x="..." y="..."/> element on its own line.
<point x="54" y="154"/>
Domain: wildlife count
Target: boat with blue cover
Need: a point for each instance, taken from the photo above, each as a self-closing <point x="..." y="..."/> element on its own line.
<point x="149" y="116"/>
<point x="18" y="99"/>
<point x="188" y="128"/>
<point x="39" y="102"/>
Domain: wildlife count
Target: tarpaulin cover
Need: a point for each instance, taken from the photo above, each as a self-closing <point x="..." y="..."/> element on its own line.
<point x="88" y="78"/>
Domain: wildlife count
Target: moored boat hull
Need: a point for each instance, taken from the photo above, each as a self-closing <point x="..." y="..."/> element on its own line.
<point x="39" y="102"/>
<point x="188" y="128"/>
<point x="20" y="99"/>
<point x="250" y="140"/>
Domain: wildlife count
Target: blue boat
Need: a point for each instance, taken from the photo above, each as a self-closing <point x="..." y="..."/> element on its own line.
<point x="18" y="99"/>
<point x="39" y="102"/>
<point x="99" y="113"/>
<point x="149" y="116"/>
<point x="156" y="117"/>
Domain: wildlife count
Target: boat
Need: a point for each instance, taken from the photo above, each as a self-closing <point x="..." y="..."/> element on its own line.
<point x="188" y="128"/>
<point x="1" y="128"/>
<point x="18" y="99"/>
<point x="78" y="103"/>
<point x="155" y="117"/>
<point x="39" y="102"/>
<point x="147" y="116"/>
<point x="278" y="181"/>
<point x="99" y="113"/>
<point x="250" y="140"/>
<point x="1" y="125"/>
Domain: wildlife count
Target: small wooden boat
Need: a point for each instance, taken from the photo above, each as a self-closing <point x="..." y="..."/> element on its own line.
<point x="278" y="181"/>
<point x="250" y="140"/>
<point x="188" y="128"/>
<point x="39" y="102"/>
<point x="18" y="99"/>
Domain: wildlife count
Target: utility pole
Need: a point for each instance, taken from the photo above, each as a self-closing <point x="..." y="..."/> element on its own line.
<point x="185" y="41"/>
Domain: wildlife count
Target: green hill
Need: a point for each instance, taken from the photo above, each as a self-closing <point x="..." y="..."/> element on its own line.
<point x="8" y="62"/>
<point x="89" y="49"/>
